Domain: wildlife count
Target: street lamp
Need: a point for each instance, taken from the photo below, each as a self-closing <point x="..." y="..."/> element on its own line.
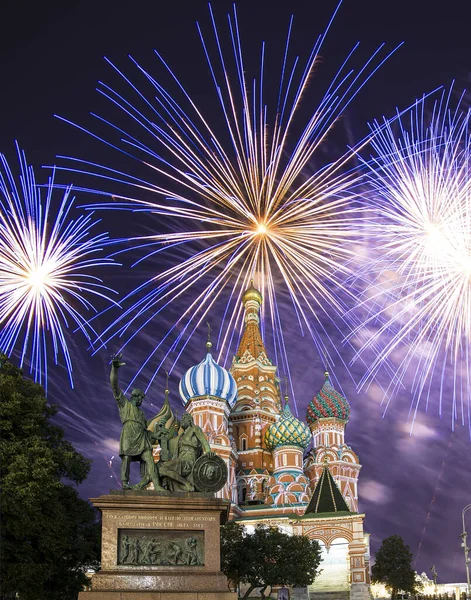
<point x="464" y="537"/>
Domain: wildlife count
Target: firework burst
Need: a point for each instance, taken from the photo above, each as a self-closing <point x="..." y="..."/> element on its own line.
<point x="45" y="262"/>
<point x="238" y="196"/>
<point x="418" y="302"/>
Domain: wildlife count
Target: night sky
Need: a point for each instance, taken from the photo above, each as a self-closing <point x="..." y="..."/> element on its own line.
<point x="51" y="57"/>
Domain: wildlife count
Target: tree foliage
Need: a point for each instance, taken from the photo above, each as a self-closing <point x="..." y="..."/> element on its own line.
<point x="393" y="566"/>
<point x="48" y="533"/>
<point x="267" y="558"/>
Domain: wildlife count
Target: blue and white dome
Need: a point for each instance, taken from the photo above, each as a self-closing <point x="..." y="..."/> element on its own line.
<point x="208" y="379"/>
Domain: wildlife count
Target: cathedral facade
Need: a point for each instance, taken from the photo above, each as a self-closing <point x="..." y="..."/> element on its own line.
<point x="299" y="477"/>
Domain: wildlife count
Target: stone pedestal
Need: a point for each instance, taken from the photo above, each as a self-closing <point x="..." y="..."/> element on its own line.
<point x="160" y="546"/>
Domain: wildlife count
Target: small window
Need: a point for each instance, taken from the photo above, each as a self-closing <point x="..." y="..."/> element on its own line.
<point x="242" y="493"/>
<point x="243" y="444"/>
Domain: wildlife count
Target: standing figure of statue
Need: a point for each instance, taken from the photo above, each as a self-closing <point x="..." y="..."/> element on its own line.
<point x="125" y="548"/>
<point x="180" y="453"/>
<point x="136" y="440"/>
<point x="136" y="550"/>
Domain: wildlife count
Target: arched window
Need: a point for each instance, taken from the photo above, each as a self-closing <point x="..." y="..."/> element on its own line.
<point x="243" y="443"/>
<point x="242" y="492"/>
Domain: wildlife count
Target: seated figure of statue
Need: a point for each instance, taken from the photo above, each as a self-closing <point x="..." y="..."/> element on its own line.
<point x="180" y="453"/>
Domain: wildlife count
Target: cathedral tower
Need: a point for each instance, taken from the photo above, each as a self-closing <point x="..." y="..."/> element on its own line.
<point x="258" y="405"/>
<point x="287" y="438"/>
<point x="208" y="392"/>
<point x="327" y="416"/>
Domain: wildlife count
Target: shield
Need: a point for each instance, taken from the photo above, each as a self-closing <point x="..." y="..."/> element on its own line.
<point x="209" y="473"/>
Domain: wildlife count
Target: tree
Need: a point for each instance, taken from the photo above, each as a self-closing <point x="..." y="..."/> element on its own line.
<point x="49" y="535"/>
<point x="233" y="560"/>
<point x="393" y="566"/>
<point x="267" y="558"/>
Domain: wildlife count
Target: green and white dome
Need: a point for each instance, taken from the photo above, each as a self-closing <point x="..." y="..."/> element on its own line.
<point x="287" y="431"/>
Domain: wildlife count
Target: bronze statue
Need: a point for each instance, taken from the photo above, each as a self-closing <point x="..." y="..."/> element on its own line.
<point x="125" y="548"/>
<point x="152" y="552"/>
<point x="192" y="558"/>
<point x="136" y="440"/>
<point x="182" y="452"/>
<point x="186" y="461"/>
<point x="136" y="550"/>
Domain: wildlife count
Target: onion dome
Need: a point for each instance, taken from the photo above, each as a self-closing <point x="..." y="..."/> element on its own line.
<point x="327" y="404"/>
<point x="208" y="379"/>
<point x="252" y="294"/>
<point x="287" y="431"/>
<point x="166" y="416"/>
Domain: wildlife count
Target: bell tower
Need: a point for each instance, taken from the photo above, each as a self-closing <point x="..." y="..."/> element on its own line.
<point x="287" y="439"/>
<point x="327" y="416"/>
<point x="258" y="405"/>
<point x="208" y="391"/>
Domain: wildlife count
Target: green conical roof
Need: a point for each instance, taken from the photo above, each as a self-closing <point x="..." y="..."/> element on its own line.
<point x="327" y="498"/>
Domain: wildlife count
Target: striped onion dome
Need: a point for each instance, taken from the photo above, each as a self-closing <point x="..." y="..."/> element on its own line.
<point x="208" y="379"/>
<point x="287" y="431"/>
<point x="327" y="404"/>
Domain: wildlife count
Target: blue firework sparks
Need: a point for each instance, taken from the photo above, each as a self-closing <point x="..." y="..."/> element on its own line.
<point x="241" y="201"/>
<point x="47" y="261"/>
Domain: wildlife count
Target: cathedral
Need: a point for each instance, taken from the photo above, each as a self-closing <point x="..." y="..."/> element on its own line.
<point x="300" y="478"/>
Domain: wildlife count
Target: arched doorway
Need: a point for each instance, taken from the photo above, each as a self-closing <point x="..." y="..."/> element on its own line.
<point x="335" y="568"/>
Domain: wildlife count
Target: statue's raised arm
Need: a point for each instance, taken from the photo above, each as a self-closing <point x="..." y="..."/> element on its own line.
<point x="135" y="443"/>
<point x="116" y="363"/>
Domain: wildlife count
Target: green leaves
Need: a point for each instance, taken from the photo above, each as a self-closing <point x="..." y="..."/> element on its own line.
<point x="49" y="535"/>
<point x="393" y="566"/>
<point x="267" y="557"/>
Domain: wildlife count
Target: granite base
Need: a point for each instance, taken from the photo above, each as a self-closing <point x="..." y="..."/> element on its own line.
<point x="160" y="546"/>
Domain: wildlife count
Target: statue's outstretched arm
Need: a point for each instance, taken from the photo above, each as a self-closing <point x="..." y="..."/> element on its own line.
<point x="116" y="363"/>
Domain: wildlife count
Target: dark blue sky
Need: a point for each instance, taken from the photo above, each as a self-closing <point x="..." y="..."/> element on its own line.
<point x="51" y="56"/>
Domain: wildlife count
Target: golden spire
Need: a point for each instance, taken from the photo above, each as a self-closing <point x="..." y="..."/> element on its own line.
<point x="251" y="339"/>
<point x="252" y="294"/>
<point x="326" y="369"/>
<point x="165" y="413"/>
<point x="166" y="388"/>
<point x="208" y="343"/>
<point x="286" y="392"/>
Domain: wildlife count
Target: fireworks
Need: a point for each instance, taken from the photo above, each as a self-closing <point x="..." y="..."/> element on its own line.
<point x="234" y="196"/>
<point x="45" y="263"/>
<point x="419" y="297"/>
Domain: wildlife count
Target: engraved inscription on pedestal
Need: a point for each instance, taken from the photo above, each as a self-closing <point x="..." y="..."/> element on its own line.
<point x="153" y="547"/>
